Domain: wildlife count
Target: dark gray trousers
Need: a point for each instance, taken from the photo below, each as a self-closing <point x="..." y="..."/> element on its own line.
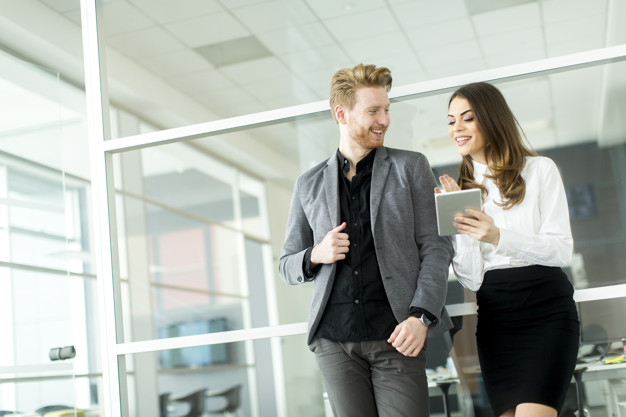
<point x="372" y="379"/>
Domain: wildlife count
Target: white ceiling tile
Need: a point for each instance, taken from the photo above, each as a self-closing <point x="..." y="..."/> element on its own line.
<point x="512" y="41"/>
<point x="120" y="16"/>
<point x="295" y="39"/>
<point x="167" y="11"/>
<point x="145" y="42"/>
<point x="366" y="24"/>
<point x="327" y="9"/>
<point x="272" y="15"/>
<point x="319" y="81"/>
<point x="463" y="52"/>
<point x="232" y="101"/>
<point x="558" y="10"/>
<point x="506" y="20"/>
<point x="591" y="26"/>
<point x="429" y="36"/>
<point x="514" y="57"/>
<point x="206" y="30"/>
<point x="202" y="84"/>
<point x="328" y="59"/>
<point x="372" y="48"/>
<point x="427" y="12"/>
<point x="439" y="68"/>
<point x="62" y="6"/>
<point x="176" y="63"/>
<point x="278" y="87"/>
<point x="235" y="4"/>
<point x="257" y="70"/>
<point x="571" y="46"/>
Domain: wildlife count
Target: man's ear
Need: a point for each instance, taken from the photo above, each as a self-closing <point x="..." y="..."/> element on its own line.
<point x="340" y="114"/>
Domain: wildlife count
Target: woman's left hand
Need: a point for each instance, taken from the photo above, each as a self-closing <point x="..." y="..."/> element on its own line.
<point x="478" y="225"/>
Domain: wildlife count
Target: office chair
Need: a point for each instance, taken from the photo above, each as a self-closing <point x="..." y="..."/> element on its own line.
<point x="164" y="402"/>
<point x="195" y="400"/>
<point x="48" y="408"/>
<point x="233" y="400"/>
<point x="65" y="413"/>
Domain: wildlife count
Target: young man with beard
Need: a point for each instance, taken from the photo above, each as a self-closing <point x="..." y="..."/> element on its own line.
<point x="362" y="228"/>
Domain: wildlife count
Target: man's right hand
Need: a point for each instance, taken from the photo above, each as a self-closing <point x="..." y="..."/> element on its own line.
<point x="332" y="248"/>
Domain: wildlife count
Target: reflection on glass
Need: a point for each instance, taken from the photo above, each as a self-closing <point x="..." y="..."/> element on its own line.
<point x="216" y="60"/>
<point x="192" y="243"/>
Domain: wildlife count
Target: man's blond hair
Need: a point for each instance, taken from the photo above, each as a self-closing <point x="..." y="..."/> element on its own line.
<point x="347" y="81"/>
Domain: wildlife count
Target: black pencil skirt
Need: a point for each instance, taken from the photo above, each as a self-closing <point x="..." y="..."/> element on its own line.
<point x="527" y="336"/>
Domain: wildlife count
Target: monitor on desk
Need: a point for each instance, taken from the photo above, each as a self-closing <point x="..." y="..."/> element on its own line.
<point x="602" y="322"/>
<point x="194" y="356"/>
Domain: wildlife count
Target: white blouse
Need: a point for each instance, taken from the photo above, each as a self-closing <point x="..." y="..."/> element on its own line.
<point x="535" y="232"/>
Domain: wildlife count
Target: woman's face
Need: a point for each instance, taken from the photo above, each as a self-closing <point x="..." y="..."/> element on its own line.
<point x="464" y="130"/>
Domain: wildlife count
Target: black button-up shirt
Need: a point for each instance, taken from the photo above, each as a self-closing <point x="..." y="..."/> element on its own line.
<point x="358" y="308"/>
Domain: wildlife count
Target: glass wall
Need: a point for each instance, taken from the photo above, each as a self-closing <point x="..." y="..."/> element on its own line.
<point x="191" y="185"/>
<point x="49" y="298"/>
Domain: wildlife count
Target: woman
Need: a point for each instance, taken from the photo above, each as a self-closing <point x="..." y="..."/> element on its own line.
<point x="512" y="252"/>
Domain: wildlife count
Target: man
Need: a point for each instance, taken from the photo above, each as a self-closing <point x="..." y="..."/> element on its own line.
<point x="362" y="227"/>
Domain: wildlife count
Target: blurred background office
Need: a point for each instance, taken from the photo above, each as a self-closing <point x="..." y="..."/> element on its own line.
<point x="148" y="151"/>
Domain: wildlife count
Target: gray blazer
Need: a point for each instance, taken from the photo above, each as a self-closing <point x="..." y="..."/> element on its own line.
<point x="413" y="259"/>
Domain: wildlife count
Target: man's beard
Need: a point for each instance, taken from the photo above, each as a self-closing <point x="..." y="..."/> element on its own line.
<point x="363" y="139"/>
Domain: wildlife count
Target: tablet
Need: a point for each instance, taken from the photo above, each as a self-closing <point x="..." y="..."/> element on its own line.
<point x="453" y="203"/>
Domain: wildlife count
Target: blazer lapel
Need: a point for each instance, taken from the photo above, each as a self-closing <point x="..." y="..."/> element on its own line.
<point x="380" y="171"/>
<point x="331" y="186"/>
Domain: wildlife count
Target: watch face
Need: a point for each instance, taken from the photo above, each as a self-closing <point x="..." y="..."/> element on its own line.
<point x="427" y="322"/>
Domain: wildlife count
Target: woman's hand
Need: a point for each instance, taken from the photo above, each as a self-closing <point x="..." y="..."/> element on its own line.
<point x="478" y="225"/>
<point x="448" y="183"/>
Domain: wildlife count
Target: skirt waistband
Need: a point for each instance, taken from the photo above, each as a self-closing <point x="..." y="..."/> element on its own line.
<point x="522" y="273"/>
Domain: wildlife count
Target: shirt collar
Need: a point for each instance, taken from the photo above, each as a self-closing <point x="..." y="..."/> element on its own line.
<point x="364" y="163"/>
<point x="479" y="171"/>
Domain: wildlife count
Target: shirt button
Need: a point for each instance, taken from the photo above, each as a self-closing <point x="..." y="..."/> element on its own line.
<point x="353" y="197"/>
<point x="354" y="244"/>
<point x="356" y="301"/>
<point x="356" y="272"/>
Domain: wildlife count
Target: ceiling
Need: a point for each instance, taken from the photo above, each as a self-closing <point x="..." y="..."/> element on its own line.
<point x="178" y="62"/>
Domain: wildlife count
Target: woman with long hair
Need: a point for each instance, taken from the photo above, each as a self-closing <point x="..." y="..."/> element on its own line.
<point x="511" y="252"/>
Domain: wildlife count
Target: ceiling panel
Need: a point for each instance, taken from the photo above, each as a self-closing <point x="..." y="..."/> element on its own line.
<point x="207" y="30"/>
<point x="273" y="15"/>
<point x="328" y="9"/>
<point x="506" y="20"/>
<point x="202" y="83"/>
<point x="145" y="42"/>
<point x="175" y="63"/>
<point x="119" y="16"/>
<point x="559" y="10"/>
<point x="415" y="14"/>
<point x="370" y="49"/>
<point x="457" y="58"/>
<point x="167" y="11"/>
<point x="449" y="34"/>
<point x="258" y="70"/>
<point x="296" y="39"/>
<point x="592" y="26"/>
<point x="371" y="23"/>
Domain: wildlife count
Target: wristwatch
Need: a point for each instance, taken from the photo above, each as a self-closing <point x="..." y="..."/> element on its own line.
<point x="425" y="320"/>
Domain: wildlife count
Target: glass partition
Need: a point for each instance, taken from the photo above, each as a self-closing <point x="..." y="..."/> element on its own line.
<point x="203" y="61"/>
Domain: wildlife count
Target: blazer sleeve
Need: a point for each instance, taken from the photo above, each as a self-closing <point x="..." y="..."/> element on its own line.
<point x="435" y="251"/>
<point x="298" y="238"/>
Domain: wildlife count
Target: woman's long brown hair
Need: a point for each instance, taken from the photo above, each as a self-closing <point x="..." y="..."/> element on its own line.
<point x="505" y="150"/>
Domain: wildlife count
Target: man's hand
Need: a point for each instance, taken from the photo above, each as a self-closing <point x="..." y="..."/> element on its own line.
<point x="409" y="336"/>
<point x="332" y="248"/>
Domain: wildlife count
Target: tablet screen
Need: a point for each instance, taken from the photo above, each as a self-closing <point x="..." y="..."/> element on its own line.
<point x="453" y="203"/>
